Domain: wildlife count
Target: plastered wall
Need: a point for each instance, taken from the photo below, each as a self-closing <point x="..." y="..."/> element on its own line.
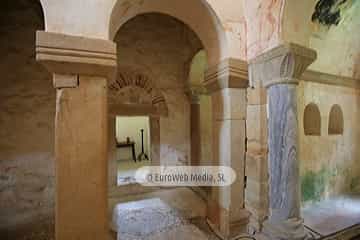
<point x="130" y="127"/>
<point x="329" y="164"/>
<point x="27" y="106"/>
<point x="343" y="40"/>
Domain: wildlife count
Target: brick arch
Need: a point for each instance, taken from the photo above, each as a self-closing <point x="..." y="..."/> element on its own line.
<point x="126" y="79"/>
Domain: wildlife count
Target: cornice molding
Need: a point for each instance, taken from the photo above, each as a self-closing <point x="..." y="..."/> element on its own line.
<point x="229" y="73"/>
<point x="330" y="79"/>
<point x="65" y="54"/>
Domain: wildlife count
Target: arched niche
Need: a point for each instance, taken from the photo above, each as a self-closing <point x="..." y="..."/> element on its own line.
<point x="312" y="120"/>
<point x="196" y="14"/>
<point x="336" y="121"/>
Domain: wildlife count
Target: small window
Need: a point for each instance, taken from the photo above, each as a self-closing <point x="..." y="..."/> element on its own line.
<point x="336" y="121"/>
<point x="312" y="120"/>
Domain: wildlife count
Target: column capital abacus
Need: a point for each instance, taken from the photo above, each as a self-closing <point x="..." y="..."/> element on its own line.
<point x="283" y="64"/>
<point x="229" y="73"/>
<point x="71" y="56"/>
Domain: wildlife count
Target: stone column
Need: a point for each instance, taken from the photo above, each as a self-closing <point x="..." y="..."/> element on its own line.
<point x="195" y="129"/>
<point x="112" y="158"/>
<point x="80" y="68"/>
<point x="279" y="69"/>
<point x="227" y="83"/>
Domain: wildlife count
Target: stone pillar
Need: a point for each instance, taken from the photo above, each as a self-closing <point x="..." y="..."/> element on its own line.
<point x="256" y="190"/>
<point x="112" y="158"/>
<point x="80" y="67"/>
<point x="227" y="83"/>
<point x="195" y="130"/>
<point x="155" y="140"/>
<point x="279" y="69"/>
<point x="112" y="168"/>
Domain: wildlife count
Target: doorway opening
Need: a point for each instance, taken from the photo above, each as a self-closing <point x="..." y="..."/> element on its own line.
<point x="133" y="146"/>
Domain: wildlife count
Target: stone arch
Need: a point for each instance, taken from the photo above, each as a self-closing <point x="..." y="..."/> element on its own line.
<point x="41" y="8"/>
<point x="336" y="121"/>
<point x="196" y="14"/>
<point x="312" y="120"/>
<point x="133" y="79"/>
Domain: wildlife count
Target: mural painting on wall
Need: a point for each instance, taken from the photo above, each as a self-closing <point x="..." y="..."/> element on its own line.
<point x="266" y="15"/>
<point x="328" y="12"/>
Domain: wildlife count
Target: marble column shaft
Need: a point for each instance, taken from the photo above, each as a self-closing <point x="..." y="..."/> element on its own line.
<point x="283" y="152"/>
<point x="280" y="69"/>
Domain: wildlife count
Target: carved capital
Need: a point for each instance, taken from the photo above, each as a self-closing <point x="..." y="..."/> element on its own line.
<point x="193" y="92"/>
<point x="72" y="55"/>
<point x="283" y="64"/>
<point x="230" y="73"/>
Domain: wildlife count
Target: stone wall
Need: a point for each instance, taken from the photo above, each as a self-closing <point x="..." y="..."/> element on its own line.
<point x="162" y="48"/>
<point x="27" y="103"/>
<point x="329" y="163"/>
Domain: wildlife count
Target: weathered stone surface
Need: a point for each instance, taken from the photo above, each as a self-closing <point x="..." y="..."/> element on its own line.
<point x="27" y="101"/>
<point x="257" y="166"/>
<point x="229" y="73"/>
<point x="81" y="161"/>
<point x="256" y="125"/>
<point x="256" y="96"/>
<point x="229" y="103"/>
<point x="226" y="206"/>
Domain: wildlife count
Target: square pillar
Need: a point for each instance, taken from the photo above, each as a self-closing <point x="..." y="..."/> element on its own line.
<point x="80" y="68"/>
<point x="256" y="191"/>
<point x="280" y="69"/>
<point x="227" y="83"/>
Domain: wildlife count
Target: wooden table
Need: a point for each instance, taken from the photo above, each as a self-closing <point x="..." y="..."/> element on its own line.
<point x="127" y="144"/>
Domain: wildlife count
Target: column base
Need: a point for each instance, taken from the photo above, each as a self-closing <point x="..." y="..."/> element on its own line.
<point x="226" y="228"/>
<point x="291" y="229"/>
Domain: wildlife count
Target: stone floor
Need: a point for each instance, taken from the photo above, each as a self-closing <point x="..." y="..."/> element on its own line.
<point x="179" y="214"/>
<point x="330" y="216"/>
<point x="163" y="215"/>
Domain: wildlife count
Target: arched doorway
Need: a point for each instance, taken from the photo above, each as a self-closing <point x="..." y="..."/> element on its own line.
<point x="154" y="56"/>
